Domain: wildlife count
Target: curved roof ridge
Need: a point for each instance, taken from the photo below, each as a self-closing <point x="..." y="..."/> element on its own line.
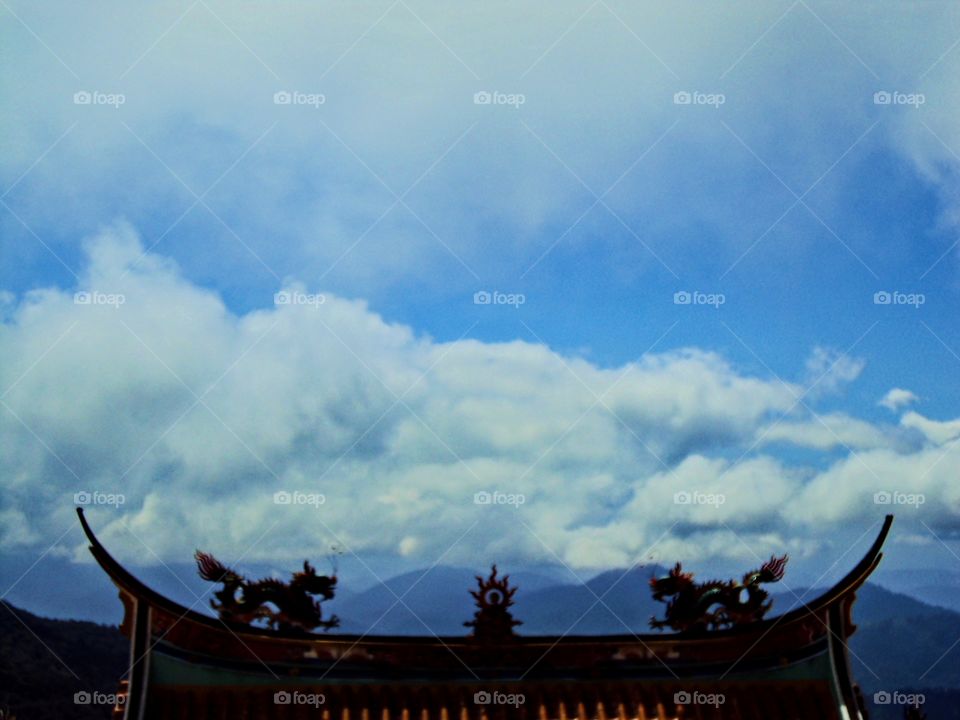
<point x="846" y="585"/>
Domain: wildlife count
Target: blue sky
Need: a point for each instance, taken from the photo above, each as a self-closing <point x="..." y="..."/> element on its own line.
<point x="787" y="187"/>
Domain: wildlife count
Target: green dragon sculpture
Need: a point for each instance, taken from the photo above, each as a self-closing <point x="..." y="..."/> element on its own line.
<point x="715" y="604"/>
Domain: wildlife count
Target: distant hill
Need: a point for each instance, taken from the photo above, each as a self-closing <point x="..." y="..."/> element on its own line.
<point x="415" y="603"/>
<point x="903" y="643"/>
<point x="614" y="602"/>
<point x="440" y="603"/>
<point x="873" y="603"/>
<point x="941" y="587"/>
<point x="43" y="663"/>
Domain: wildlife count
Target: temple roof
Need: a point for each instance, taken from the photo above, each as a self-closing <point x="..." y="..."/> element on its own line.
<point x="185" y="661"/>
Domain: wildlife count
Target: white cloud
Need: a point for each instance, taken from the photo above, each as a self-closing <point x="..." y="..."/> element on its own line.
<point x="897" y="398"/>
<point x="201" y="96"/>
<point x="936" y="432"/>
<point x="198" y="416"/>
<point x="828" y="431"/>
<point x="15" y="530"/>
<point x="846" y="489"/>
<point x="828" y="370"/>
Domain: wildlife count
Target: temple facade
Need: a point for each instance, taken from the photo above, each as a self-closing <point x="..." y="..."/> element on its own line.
<point x="185" y="664"/>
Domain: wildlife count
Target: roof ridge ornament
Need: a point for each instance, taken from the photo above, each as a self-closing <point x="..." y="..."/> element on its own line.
<point x="493" y="621"/>
<point x="714" y="604"/>
<point x="285" y="606"/>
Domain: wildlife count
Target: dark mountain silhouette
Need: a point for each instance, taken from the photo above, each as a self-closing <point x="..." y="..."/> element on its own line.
<point x="44" y="663"/>
<point x="940" y="587"/>
<point x="901" y="642"/>
<point x="419" y="602"/>
<point x="614" y="602"/>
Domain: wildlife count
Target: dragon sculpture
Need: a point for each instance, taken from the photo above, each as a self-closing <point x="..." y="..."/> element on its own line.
<point x="285" y="606"/>
<point x="493" y="620"/>
<point x="715" y="604"/>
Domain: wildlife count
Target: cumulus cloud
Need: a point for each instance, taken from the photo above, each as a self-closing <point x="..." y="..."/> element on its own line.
<point x="828" y="431"/>
<point x="897" y="398"/>
<point x="828" y="370"/>
<point x="139" y="383"/>
<point x="935" y="432"/>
